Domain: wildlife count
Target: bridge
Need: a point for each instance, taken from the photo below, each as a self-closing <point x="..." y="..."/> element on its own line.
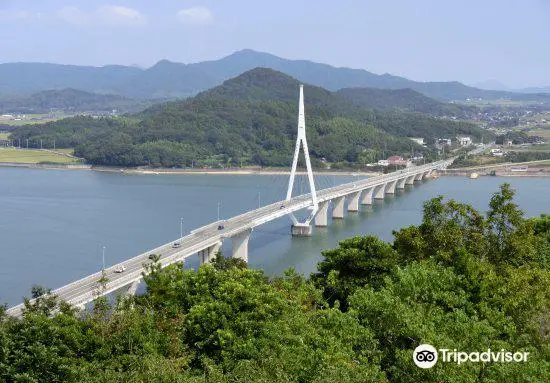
<point x="207" y="240"/>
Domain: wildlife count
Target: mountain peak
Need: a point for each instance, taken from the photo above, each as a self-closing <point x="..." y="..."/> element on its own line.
<point x="264" y="77"/>
<point x="257" y="83"/>
<point x="165" y="64"/>
<point x="251" y="52"/>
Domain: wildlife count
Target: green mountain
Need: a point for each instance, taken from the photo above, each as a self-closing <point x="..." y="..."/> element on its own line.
<point x="26" y="78"/>
<point x="250" y="119"/>
<point x="171" y="80"/>
<point x="406" y="100"/>
<point x="69" y="100"/>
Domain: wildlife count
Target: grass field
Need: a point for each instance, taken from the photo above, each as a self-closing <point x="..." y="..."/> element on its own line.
<point x="4" y="136"/>
<point x="23" y="156"/>
<point x="66" y="151"/>
<point x="34" y="119"/>
<point x="533" y="148"/>
<point x="540" y="132"/>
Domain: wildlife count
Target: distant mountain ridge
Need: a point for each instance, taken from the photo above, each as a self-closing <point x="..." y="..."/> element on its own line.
<point x="167" y="79"/>
<point x="404" y="100"/>
<point x="17" y="78"/>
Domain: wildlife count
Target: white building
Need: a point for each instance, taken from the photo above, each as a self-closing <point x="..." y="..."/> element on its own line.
<point x="497" y="152"/>
<point x="383" y="162"/>
<point x="464" y="141"/>
<point x="419" y="141"/>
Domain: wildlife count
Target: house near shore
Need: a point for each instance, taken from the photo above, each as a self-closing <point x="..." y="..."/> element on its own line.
<point x="398" y="160"/>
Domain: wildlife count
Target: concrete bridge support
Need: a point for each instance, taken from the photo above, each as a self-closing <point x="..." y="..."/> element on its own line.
<point x="301" y="230"/>
<point x="401" y="183"/>
<point x="379" y="191"/>
<point x="321" y="218"/>
<point x="209" y="254"/>
<point x="130" y="290"/>
<point x="353" y="203"/>
<point x="240" y="245"/>
<point x="367" y="196"/>
<point x="418" y="177"/>
<point x="410" y="180"/>
<point x="390" y="187"/>
<point x="338" y="207"/>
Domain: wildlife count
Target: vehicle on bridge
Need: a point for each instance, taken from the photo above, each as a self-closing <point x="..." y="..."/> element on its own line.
<point x="176" y="245"/>
<point x="120" y="269"/>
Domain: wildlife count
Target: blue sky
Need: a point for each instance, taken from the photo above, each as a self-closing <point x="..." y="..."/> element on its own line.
<point x="424" y="40"/>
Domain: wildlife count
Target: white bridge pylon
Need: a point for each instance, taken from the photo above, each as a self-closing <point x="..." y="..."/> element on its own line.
<point x="302" y="141"/>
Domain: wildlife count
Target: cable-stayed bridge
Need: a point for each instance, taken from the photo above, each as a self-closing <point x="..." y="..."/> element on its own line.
<point x="207" y="240"/>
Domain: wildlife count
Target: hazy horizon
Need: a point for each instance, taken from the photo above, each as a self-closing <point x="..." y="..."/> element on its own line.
<point x="425" y="41"/>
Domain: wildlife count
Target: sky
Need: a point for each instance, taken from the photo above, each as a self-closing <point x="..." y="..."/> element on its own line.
<point x="425" y="40"/>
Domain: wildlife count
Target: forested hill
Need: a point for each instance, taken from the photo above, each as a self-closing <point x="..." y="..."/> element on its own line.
<point x="263" y="84"/>
<point x="268" y="84"/>
<point x="247" y="120"/>
<point x="406" y="100"/>
<point x="69" y="100"/>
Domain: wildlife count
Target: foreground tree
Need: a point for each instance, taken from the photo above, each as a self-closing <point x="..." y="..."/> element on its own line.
<point x="457" y="281"/>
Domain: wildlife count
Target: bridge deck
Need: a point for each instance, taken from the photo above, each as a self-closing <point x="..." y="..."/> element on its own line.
<point x="86" y="289"/>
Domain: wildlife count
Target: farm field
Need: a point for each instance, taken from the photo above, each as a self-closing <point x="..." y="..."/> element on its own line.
<point x="532" y="148"/>
<point x="540" y="132"/>
<point x="24" y="156"/>
<point x="33" y="119"/>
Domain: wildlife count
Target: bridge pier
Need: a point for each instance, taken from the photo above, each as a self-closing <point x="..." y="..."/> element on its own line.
<point x="240" y="245"/>
<point x="390" y="187"/>
<point x="130" y="290"/>
<point x="418" y="177"/>
<point x="209" y="254"/>
<point x="367" y="196"/>
<point x="301" y="230"/>
<point x="401" y="183"/>
<point x="379" y="191"/>
<point x="338" y="207"/>
<point x="410" y="180"/>
<point x="321" y="218"/>
<point x="353" y="204"/>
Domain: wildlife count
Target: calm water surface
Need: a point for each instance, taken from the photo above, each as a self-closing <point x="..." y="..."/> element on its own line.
<point x="53" y="223"/>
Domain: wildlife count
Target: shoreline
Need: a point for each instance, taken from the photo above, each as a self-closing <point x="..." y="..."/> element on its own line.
<point x="171" y="171"/>
<point x="463" y="172"/>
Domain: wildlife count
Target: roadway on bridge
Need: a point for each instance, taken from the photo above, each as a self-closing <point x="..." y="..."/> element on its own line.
<point x="85" y="289"/>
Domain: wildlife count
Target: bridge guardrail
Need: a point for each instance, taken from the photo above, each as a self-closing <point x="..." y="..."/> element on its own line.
<point x="303" y="201"/>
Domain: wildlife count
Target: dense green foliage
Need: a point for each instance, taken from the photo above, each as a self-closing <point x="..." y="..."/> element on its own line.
<point x="458" y="280"/>
<point x="509" y="157"/>
<point x="517" y="137"/>
<point x="406" y="100"/>
<point x="70" y="101"/>
<point x="248" y="120"/>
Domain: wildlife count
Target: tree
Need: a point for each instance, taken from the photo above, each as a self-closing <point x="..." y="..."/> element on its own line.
<point x="357" y="262"/>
